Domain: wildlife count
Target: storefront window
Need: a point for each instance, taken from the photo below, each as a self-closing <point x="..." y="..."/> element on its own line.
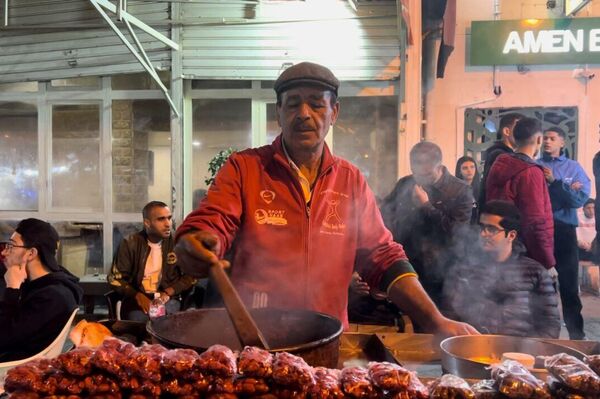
<point x="85" y="82"/>
<point x="365" y="135"/>
<point x="273" y="128"/>
<point x="81" y="247"/>
<point x="141" y="154"/>
<point x="124" y="230"/>
<point x="22" y="87"/>
<point x="18" y="156"/>
<point x="139" y="81"/>
<point x="218" y="125"/>
<point x="75" y="170"/>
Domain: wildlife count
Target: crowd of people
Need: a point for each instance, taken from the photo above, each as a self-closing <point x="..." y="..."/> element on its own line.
<point x="463" y="254"/>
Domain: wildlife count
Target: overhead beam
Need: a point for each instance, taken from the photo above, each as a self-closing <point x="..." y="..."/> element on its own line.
<point x="142" y="58"/>
<point x="136" y="22"/>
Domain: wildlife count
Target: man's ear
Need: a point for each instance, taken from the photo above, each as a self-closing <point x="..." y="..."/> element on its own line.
<point x="146" y="223"/>
<point x="512" y="235"/>
<point x="34" y="254"/>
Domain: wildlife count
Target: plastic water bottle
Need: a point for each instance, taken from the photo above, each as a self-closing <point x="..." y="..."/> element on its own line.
<point x="157" y="307"/>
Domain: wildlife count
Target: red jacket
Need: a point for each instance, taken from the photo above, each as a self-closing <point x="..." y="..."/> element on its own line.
<point x="517" y="178"/>
<point x="287" y="254"/>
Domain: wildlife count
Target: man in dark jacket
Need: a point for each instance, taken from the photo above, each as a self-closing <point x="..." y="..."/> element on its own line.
<point x="145" y="266"/>
<point x="425" y="211"/>
<point x="500" y="290"/>
<point x="518" y="179"/>
<point x="40" y="295"/>
<point x="505" y="144"/>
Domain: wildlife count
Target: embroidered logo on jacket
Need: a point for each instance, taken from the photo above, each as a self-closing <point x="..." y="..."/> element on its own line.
<point x="273" y="217"/>
<point x="267" y="195"/>
<point x="333" y="222"/>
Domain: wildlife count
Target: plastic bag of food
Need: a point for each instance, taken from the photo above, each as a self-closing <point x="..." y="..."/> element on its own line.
<point x="573" y="373"/>
<point x="450" y="387"/>
<point x="218" y="360"/>
<point x="250" y="386"/>
<point x="561" y="391"/>
<point x="388" y="376"/>
<point x="327" y="384"/>
<point x="485" y="389"/>
<point x="594" y="362"/>
<point x="415" y="390"/>
<point x="292" y="371"/>
<point x="357" y="384"/>
<point x="255" y="362"/>
<point x="515" y="381"/>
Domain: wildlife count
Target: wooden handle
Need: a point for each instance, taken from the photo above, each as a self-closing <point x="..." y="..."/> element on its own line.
<point x="245" y="327"/>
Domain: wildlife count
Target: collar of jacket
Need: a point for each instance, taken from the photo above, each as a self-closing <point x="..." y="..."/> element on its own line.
<point x="443" y="180"/>
<point x="501" y="144"/>
<point x="327" y="160"/>
<point x="524" y="158"/>
<point x="549" y="158"/>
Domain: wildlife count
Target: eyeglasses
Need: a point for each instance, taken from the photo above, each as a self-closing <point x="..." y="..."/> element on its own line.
<point x="490" y="229"/>
<point x="9" y="245"/>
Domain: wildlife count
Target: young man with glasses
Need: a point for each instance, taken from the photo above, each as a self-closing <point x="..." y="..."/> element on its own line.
<point x="500" y="290"/>
<point x="40" y="295"/>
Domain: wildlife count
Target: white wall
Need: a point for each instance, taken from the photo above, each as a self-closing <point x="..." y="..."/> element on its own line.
<point x="551" y="85"/>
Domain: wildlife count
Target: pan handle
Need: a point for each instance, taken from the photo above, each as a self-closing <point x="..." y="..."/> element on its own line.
<point x="245" y="326"/>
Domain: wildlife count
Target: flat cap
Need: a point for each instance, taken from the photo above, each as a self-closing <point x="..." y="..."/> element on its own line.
<point x="306" y="73"/>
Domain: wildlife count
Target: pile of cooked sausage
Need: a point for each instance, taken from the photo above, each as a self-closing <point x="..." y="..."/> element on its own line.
<point x="117" y="369"/>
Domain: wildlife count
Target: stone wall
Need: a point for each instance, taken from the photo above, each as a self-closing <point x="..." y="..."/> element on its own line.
<point x="130" y="160"/>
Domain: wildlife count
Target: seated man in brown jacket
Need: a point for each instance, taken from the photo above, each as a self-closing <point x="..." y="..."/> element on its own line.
<point x="500" y="290"/>
<point x="145" y="266"/>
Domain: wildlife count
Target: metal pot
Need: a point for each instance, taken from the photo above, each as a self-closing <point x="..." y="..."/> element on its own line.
<point x="311" y="335"/>
<point x="458" y="353"/>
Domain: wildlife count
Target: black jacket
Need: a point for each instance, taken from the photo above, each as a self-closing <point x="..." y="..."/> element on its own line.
<point x="516" y="297"/>
<point x="129" y="264"/>
<point x="32" y="317"/>
<point x="427" y="233"/>
<point x="497" y="149"/>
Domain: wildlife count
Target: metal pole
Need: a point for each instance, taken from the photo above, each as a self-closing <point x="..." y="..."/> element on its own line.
<point x="5" y="13"/>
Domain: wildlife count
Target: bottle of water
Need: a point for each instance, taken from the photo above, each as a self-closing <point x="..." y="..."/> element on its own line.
<point x="157" y="307"/>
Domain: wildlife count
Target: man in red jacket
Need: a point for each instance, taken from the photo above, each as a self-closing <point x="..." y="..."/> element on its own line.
<point x="299" y="220"/>
<point x="517" y="178"/>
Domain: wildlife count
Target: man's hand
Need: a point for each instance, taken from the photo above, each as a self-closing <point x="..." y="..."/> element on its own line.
<point x="143" y="302"/>
<point x="586" y="246"/>
<point x="196" y="252"/>
<point x="358" y="286"/>
<point x="548" y="175"/>
<point x="419" y="196"/>
<point x="15" y="275"/>
<point x="576" y="186"/>
<point x="450" y="328"/>
<point x="164" y="297"/>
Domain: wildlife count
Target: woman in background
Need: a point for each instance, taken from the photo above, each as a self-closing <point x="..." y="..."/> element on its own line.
<point x="466" y="169"/>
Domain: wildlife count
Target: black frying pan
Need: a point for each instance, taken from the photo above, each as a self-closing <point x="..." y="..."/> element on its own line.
<point x="312" y="335"/>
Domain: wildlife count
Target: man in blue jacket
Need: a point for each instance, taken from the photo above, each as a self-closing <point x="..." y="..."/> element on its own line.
<point x="569" y="189"/>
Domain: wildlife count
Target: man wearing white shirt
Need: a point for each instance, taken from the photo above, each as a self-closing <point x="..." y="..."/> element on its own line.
<point x="586" y="230"/>
<point x="145" y="266"/>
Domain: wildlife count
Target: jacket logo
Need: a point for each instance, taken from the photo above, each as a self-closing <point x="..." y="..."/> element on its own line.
<point x="267" y="195"/>
<point x="332" y="220"/>
<point x="275" y="218"/>
<point x="171" y="258"/>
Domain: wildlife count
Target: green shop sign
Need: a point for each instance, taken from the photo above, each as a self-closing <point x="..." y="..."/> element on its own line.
<point x="535" y="41"/>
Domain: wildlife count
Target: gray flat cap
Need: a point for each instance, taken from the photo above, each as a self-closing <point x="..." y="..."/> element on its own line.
<point x="306" y="73"/>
